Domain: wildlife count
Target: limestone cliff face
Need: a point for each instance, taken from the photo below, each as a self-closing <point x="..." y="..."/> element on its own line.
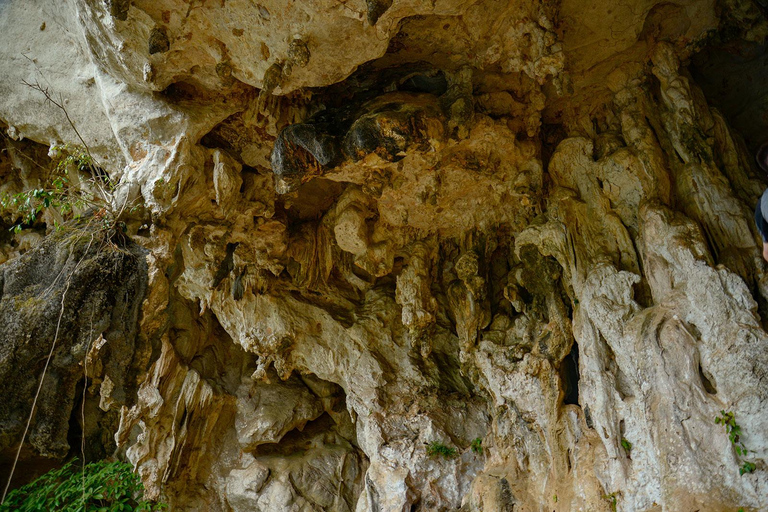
<point x="519" y="229"/>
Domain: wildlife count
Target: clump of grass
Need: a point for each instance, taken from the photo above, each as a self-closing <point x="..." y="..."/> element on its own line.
<point x="436" y="448"/>
<point x="477" y="445"/>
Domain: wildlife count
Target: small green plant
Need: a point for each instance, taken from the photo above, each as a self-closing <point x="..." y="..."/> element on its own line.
<point x="626" y="445"/>
<point x="74" y="184"/>
<point x="59" y="192"/>
<point x="728" y="419"/>
<point x="99" y="486"/>
<point x="436" y="448"/>
<point x="612" y="500"/>
<point x="476" y="445"/>
<point x="747" y="467"/>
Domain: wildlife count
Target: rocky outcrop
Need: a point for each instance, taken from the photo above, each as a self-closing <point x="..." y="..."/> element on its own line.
<point x="408" y="255"/>
<point x="69" y="311"/>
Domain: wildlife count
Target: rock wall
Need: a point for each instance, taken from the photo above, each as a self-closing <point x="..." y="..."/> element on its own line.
<point x="69" y="307"/>
<point x="516" y="233"/>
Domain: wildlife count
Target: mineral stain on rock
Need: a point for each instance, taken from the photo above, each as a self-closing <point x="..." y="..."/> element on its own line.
<point x="375" y="8"/>
<point x="387" y="126"/>
<point x="119" y="8"/>
<point x="391" y="126"/>
<point x="158" y="41"/>
<point x="302" y="151"/>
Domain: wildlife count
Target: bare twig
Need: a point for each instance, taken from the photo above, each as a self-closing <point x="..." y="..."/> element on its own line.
<point x="60" y="105"/>
<point x="98" y="177"/>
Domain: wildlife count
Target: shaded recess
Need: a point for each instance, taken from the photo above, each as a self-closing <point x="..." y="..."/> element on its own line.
<point x="387" y="106"/>
<point x="732" y="69"/>
<point x="569" y="375"/>
<point x="232" y="434"/>
<point x="733" y="77"/>
<point x="301" y="443"/>
<point x="382" y="111"/>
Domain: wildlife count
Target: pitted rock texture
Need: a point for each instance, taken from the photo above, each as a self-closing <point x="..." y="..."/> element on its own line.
<point x="515" y="232"/>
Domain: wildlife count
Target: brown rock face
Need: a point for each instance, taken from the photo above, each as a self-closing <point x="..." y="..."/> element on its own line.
<point x="398" y="255"/>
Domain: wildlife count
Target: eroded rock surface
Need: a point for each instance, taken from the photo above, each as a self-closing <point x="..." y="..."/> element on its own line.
<point x="75" y="297"/>
<point x="515" y="233"/>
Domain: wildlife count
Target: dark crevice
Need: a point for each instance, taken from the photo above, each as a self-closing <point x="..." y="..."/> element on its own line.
<point x="183" y="418"/>
<point x="569" y="375"/>
<point x="641" y="290"/>
<point x="375" y="8"/>
<point x="297" y="440"/>
<point x="94" y="447"/>
<point x="653" y="130"/>
<point x="588" y="417"/>
<point x="226" y="265"/>
<point x="238" y="289"/>
<point x="551" y="136"/>
<point x="75" y="431"/>
<point x="709" y="387"/>
<point x="178" y="92"/>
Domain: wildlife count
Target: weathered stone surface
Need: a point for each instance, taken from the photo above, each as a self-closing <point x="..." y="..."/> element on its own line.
<point x="518" y="229"/>
<point x="74" y="298"/>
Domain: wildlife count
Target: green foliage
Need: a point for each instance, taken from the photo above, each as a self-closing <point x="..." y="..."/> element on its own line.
<point x="58" y="192"/>
<point x="747" y="467"/>
<point x="612" y="500"/>
<point x="477" y="445"/>
<point x="436" y="448"/>
<point x="69" y="156"/>
<point x="733" y="429"/>
<point x="728" y="419"/>
<point x="626" y="445"/>
<point x="101" y="487"/>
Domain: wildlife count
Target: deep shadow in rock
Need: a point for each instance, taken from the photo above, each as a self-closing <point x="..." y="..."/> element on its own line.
<point x="733" y="78"/>
<point x="569" y="374"/>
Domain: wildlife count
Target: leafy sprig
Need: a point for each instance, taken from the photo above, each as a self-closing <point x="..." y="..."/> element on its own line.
<point x="733" y="429"/>
<point x="99" y="486"/>
<point x="59" y="193"/>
